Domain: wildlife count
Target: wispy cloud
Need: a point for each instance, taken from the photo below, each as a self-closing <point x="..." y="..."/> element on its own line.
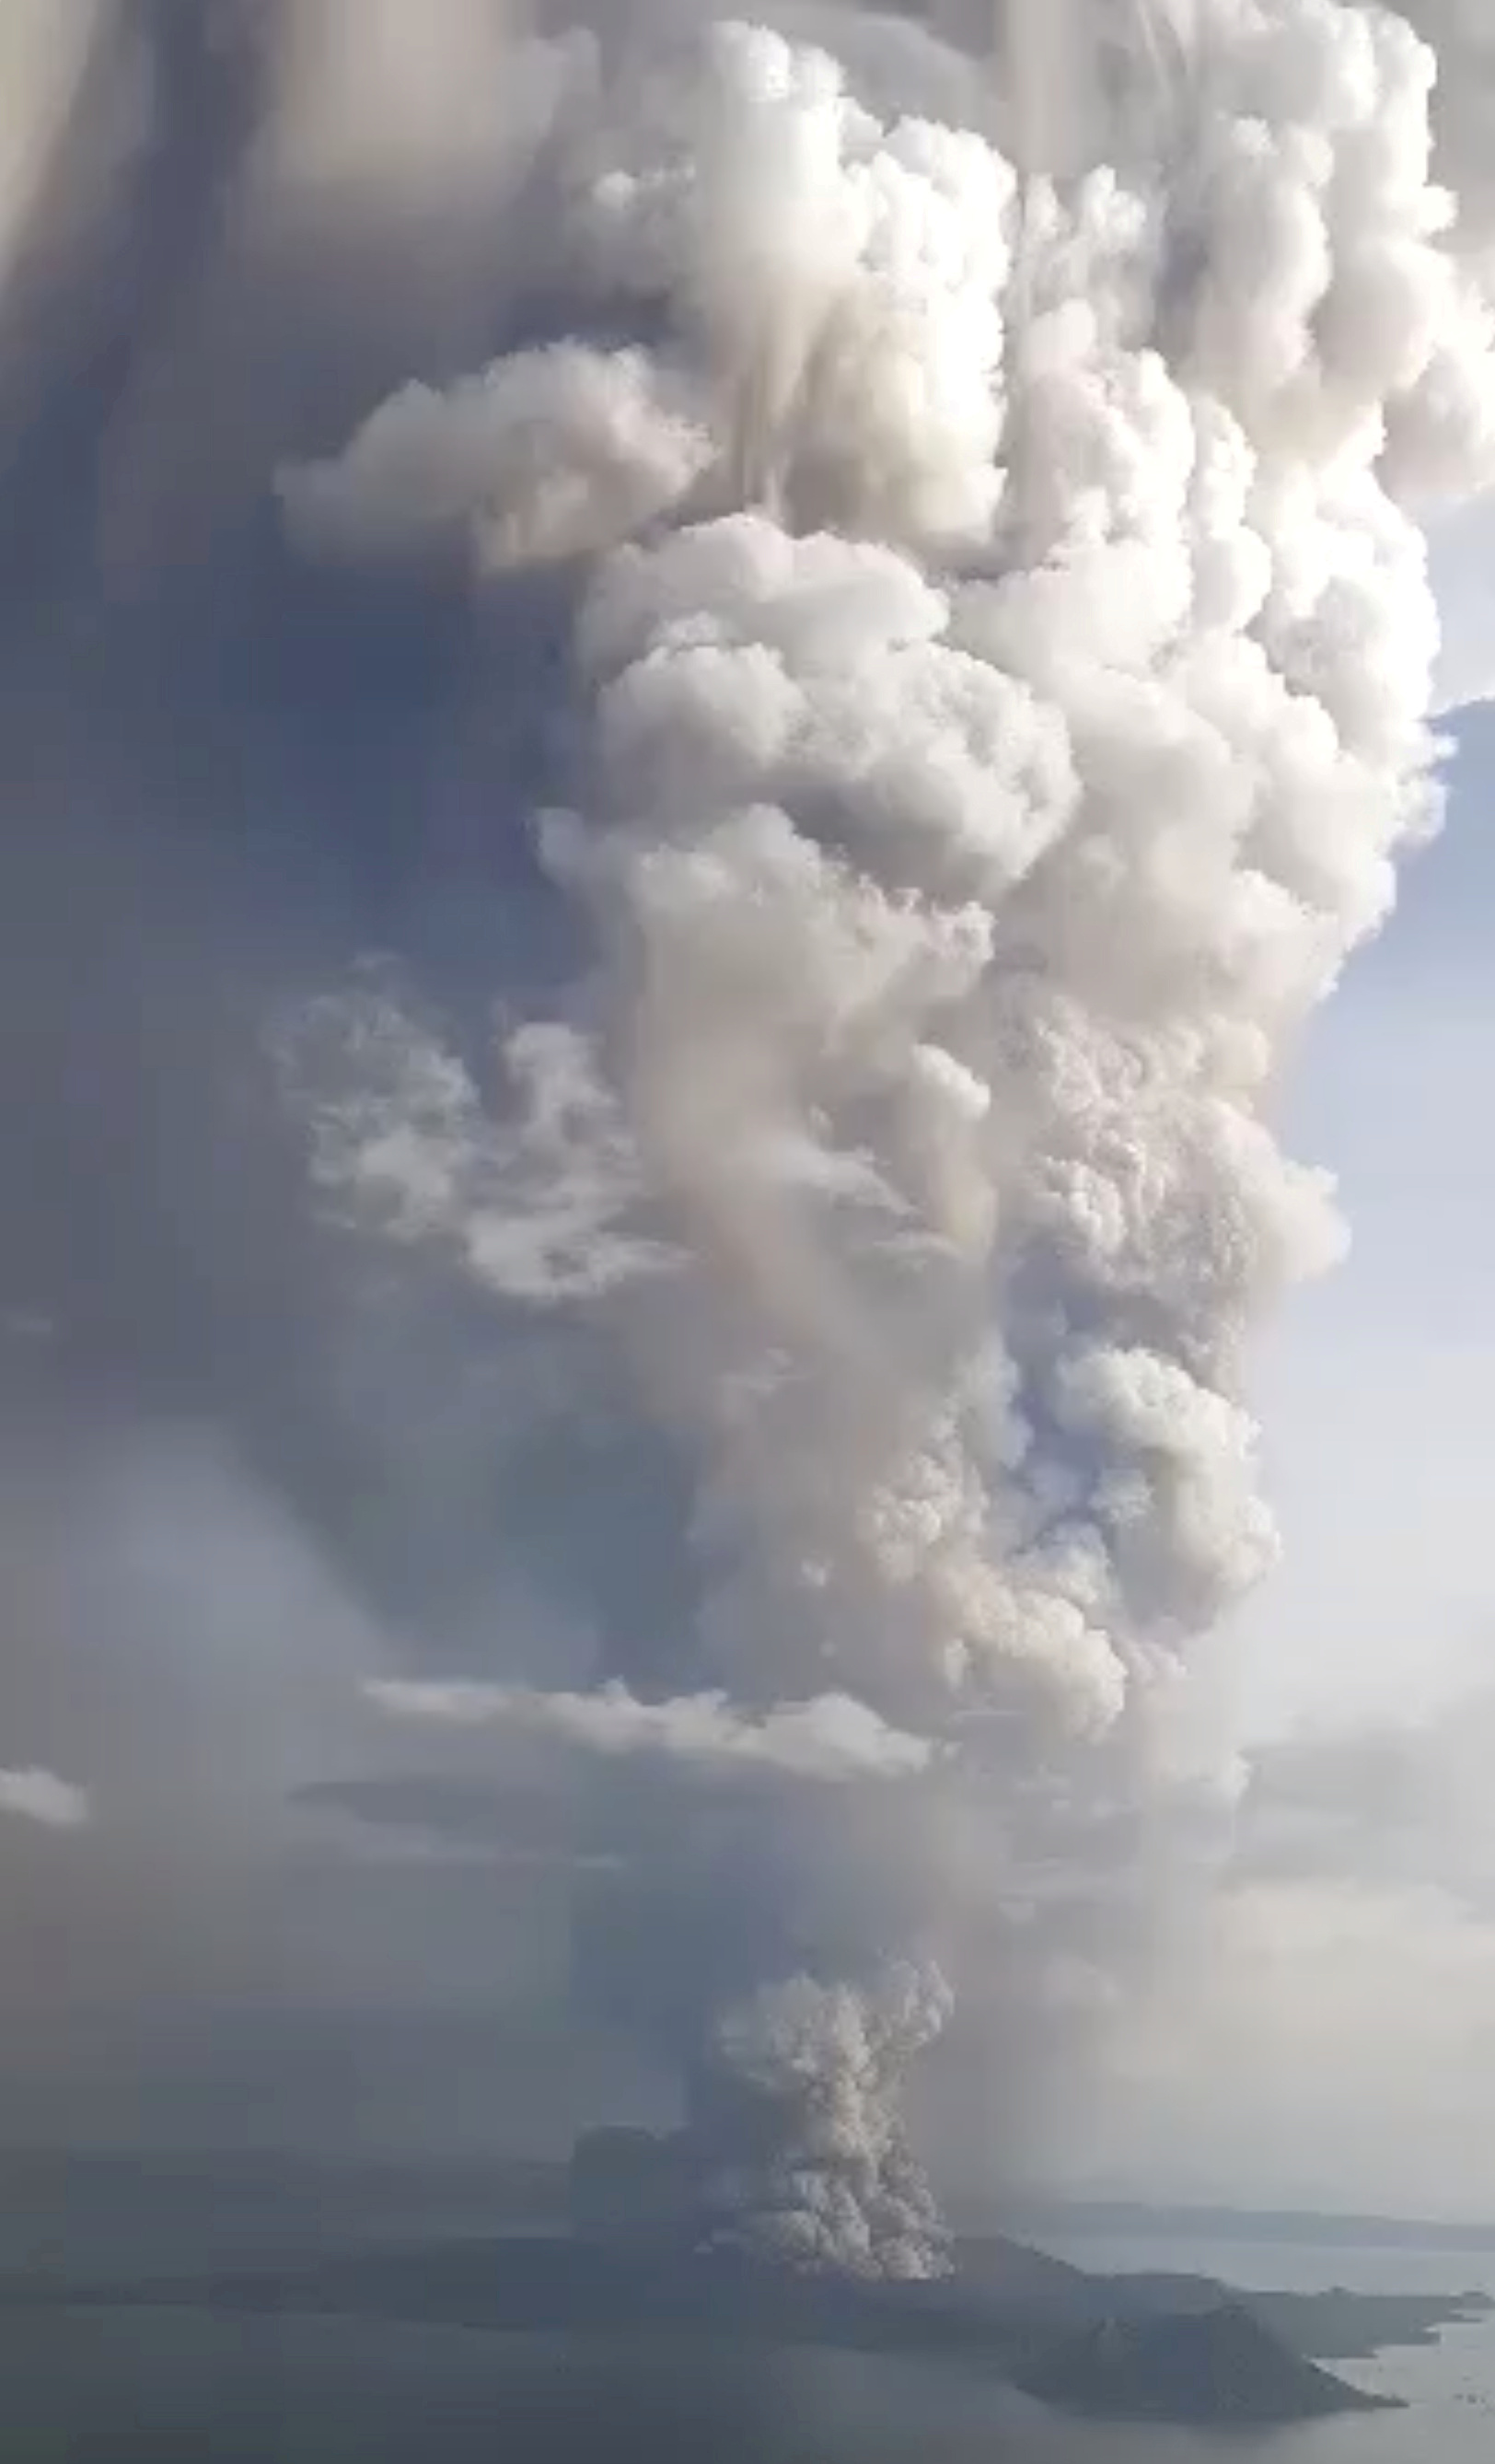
<point x="831" y="1738"/>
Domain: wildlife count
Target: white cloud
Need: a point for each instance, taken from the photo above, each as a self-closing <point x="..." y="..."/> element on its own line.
<point x="831" y="1738"/>
<point x="40" y="1797"/>
<point x="553" y="453"/>
<point x="541" y="1204"/>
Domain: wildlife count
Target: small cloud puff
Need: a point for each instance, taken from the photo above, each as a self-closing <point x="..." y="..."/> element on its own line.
<point x="40" y="1797"/>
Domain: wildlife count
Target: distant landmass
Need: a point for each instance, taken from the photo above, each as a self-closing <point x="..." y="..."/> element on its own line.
<point x="1330" y="2326"/>
<point x="1137" y="2219"/>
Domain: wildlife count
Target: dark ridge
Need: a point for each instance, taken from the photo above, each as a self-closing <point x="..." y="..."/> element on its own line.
<point x="1215" y="2365"/>
<point x="1340" y="2326"/>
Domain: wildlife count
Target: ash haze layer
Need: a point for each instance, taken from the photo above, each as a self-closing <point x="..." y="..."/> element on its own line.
<point x="904" y="544"/>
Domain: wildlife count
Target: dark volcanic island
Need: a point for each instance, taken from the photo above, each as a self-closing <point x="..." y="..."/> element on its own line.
<point x="1217" y="2364"/>
<point x="1163" y="2347"/>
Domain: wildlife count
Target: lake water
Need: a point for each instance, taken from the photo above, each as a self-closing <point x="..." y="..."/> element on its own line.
<point x="164" y="2386"/>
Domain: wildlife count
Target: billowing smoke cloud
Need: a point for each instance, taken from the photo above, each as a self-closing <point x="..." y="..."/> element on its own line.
<point x="846" y="597"/>
<point x="799" y="2085"/>
<point x="990" y="696"/>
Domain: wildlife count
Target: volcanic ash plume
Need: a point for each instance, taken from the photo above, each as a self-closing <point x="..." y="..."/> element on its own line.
<point x="998" y="696"/>
<point x="799" y="2085"/>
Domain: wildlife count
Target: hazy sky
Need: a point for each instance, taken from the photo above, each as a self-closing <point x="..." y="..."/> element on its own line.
<point x="1375" y="1388"/>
